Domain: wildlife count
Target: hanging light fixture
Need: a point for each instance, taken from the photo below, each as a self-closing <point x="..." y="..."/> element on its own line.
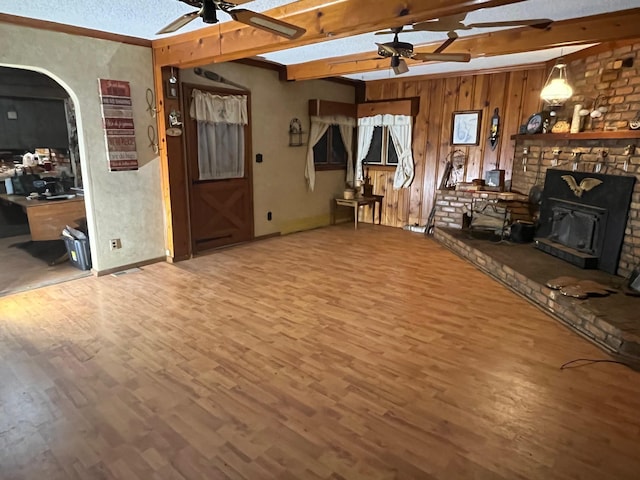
<point x="557" y="90"/>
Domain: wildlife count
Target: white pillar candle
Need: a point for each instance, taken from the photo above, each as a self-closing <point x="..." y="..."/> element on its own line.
<point x="575" y="121"/>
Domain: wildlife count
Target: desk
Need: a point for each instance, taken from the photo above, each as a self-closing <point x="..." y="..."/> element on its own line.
<point x="47" y="218"/>
<point x="356" y="203"/>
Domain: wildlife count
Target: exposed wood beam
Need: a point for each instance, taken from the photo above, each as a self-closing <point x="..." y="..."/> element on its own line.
<point x="322" y="19"/>
<point x="465" y="73"/>
<point x="582" y="31"/>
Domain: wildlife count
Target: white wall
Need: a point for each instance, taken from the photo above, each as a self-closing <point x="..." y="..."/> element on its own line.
<point x="125" y="205"/>
<point x="279" y="185"/>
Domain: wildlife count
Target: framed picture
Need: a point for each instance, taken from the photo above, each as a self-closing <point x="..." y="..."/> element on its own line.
<point x="465" y="127"/>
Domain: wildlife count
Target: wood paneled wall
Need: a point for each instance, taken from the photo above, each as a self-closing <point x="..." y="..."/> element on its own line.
<point x="516" y="93"/>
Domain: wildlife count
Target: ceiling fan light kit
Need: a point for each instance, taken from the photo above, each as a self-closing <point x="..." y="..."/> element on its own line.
<point x="557" y="90"/>
<point x="399" y="65"/>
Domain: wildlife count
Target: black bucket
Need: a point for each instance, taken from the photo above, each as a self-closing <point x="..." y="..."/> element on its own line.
<point x="522" y="232"/>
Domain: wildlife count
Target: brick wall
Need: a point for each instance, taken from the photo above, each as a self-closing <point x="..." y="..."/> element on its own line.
<point x="594" y="78"/>
<point x="618" y="88"/>
<point x="451" y="207"/>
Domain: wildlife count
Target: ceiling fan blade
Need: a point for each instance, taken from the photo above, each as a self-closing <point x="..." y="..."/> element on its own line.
<point x="442" y="57"/>
<point x="340" y="62"/>
<point x="269" y="24"/>
<point x="179" y="22"/>
<point x="453" y="36"/>
<point x="444" y="24"/>
<point x="540" y="23"/>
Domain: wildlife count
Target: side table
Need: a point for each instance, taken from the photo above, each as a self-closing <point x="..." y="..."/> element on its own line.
<point x="356" y="203"/>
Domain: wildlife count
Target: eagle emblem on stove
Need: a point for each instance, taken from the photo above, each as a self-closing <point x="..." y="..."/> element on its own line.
<point x="585" y="185"/>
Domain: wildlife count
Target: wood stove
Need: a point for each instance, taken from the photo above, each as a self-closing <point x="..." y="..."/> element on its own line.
<point x="583" y="217"/>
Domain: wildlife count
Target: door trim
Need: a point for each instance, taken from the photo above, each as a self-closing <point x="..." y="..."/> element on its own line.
<point x="192" y="164"/>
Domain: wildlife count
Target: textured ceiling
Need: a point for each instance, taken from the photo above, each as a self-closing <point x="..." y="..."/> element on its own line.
<point x="142" y="18"/>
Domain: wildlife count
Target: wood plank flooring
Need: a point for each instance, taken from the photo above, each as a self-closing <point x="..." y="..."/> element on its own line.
<point x="330" y="354"/>
<point x="19" y="271"/>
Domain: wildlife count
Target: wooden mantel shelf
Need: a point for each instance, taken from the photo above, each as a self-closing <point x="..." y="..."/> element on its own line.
<point x="618" y="134"/>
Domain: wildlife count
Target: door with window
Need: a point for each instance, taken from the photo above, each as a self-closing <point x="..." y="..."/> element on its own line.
<point x="218" y="143"/>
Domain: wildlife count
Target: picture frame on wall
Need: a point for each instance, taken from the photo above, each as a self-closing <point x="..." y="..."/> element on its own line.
<point x="465" y="127"/>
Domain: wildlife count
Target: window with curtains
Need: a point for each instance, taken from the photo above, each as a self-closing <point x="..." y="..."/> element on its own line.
<point x="382" y="151"/>
<point x="330" y="153"/>
<point x="330" y="141"/>
<point x="386" y="139"/>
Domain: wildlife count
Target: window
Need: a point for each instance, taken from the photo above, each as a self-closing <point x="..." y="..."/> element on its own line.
<point x="330" y="153"/>
<point x="382" y="151"/>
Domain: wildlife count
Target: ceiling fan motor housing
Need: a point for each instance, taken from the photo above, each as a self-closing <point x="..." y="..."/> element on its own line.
<point x="403" y="49"/>
<point x="209" y="14"/>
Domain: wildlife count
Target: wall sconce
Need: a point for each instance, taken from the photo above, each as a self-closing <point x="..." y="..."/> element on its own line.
<point x="557" y="90"/>
<point x="295" y="133"/>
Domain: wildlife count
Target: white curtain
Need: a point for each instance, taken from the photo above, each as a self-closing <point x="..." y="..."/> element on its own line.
<point x="317" y="130"/>
<point x="366" y="126"/>
<point x="346" y="132"/>
<point x="399" y="127"/>
<point x="401" y="136"/>
<point x="221" y="120"/>
<point x="319" y="126"/>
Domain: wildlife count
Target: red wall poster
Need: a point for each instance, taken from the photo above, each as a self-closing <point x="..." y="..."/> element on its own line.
<point x="117" y="115"/>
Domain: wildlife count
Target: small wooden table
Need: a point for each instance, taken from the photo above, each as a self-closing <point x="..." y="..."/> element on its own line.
<point x="356" y="203"/>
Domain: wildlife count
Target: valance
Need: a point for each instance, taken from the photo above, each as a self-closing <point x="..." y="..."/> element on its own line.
<point x="207" y="107"/>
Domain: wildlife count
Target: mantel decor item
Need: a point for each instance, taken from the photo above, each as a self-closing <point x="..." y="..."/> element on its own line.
<point x="556" y="90"/>
<point x="465" y="127"/>
<point x="538" y="122"/>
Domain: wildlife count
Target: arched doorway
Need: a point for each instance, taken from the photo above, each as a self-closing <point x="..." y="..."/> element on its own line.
<point x="40" y="180"/>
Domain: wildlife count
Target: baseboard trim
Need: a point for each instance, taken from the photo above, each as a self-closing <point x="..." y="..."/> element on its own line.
<point x="109" y="271"/>
<point x="267" y="236"/>
<point x="179" y="258"/>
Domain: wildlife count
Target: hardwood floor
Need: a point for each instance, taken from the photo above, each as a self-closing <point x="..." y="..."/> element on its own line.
<point x="330" y="354"/>
<point x="20" y="271"/>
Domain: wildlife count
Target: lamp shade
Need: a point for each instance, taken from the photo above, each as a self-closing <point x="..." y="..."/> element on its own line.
<point x="557" y="89"/>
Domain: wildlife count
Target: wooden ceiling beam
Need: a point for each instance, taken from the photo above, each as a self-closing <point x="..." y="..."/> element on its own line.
<point x="596" y="29"/>
<point x="323" y="20"/>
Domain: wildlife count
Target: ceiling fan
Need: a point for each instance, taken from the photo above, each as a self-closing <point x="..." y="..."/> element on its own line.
<point x="207" y="10"/>
<point x="456" y="22"/>
<point x="398" y="51"/>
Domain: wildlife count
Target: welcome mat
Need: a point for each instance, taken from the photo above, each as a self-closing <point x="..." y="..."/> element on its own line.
<point x="48" y="251"/>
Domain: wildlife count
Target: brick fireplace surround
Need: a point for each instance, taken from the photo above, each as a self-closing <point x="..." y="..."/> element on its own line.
<point x="612" y="323"/>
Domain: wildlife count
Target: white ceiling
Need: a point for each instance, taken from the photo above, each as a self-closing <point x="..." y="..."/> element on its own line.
<point x="142" y="18"/>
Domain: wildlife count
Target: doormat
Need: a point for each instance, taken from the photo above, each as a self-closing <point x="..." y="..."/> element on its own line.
<point x="48" y="251"/>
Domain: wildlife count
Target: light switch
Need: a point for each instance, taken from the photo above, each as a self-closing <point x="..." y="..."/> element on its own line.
<point x="12" y="115"/>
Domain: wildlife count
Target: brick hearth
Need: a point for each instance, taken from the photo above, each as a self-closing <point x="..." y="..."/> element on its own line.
<point x="610" y="322"/>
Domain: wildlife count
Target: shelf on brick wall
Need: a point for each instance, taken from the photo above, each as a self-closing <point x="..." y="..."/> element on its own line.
<point x="618" y="134"/>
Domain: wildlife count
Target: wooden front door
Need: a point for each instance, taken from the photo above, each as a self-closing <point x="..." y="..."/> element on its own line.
<point x="221" y="210"/>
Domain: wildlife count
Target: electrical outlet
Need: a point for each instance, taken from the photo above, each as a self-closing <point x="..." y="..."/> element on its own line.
<point x="115" y="243"/>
